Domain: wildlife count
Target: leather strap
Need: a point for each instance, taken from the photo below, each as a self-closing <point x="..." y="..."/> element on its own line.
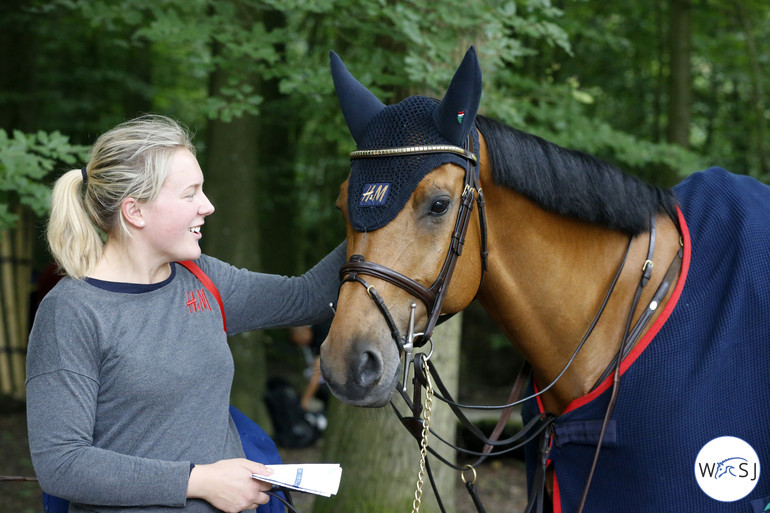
<point x="471" y="487"/>
<point x="518" y="386"/>
<point x="357" y="265"/>
<point x="641" y="323"/>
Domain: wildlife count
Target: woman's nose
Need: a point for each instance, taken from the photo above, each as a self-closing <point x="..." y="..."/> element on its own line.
<point x="207" y="208"/>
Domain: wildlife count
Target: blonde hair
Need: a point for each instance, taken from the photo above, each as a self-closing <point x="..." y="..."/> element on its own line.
<point x="129" y="161"/>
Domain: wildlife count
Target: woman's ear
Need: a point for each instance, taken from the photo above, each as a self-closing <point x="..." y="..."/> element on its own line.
<point x="131" y="210"/>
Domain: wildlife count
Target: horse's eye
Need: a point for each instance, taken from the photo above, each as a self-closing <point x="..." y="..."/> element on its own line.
<point x="439" y="206"/>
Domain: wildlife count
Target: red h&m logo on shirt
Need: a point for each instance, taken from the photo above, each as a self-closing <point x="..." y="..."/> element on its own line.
<point x="197" y="301"/>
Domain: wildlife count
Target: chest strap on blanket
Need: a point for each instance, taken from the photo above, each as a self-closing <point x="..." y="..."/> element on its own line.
<point x="641" y="324"/>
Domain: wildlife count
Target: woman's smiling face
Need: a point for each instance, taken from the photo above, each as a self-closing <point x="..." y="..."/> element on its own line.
<point x="174" y="218"/>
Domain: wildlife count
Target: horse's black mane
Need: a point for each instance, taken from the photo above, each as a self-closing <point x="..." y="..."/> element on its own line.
<point x="571" y="183"/>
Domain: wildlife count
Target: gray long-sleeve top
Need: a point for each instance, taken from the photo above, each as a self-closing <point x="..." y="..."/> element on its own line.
<point x="127" y="384"/>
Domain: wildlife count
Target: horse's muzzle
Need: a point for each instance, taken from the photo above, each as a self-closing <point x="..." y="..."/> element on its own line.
<point x="364" y="380"/>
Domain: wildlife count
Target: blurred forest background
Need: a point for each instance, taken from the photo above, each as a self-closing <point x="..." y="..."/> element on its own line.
<point x="661" y="88"/>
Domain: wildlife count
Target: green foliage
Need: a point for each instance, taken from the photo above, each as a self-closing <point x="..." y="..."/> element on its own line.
<point x="396" y="49"/>
<point x="25" y="163"/>
<point x="587" y="75"/>
<point x="622" y="58"/>
<point x="558" y="113"/>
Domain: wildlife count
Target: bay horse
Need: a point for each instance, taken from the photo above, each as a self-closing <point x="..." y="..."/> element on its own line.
<point x="592" y="274"/>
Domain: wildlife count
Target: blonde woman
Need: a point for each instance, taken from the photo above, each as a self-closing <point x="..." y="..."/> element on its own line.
<point x="128" y="367"/>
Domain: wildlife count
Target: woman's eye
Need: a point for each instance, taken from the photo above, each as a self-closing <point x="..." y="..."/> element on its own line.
<point x="440" y="206"/>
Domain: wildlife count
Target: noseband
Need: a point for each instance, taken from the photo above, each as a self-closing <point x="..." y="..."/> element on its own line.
<point x="432" y="297"/>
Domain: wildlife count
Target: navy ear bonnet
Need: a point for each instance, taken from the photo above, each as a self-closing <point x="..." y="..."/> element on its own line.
<point x="379" y="187"/>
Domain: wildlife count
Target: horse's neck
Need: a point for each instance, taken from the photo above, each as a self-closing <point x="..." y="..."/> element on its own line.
<point x="547" y="278"/>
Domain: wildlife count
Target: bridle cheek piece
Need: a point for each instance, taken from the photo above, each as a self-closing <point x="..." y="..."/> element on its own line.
<point x="432" y="297"/>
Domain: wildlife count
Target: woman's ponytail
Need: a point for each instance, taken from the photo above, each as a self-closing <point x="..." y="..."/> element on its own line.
<point x="73" y="239"/>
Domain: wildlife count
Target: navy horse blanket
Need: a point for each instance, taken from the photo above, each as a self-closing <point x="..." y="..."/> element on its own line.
<point x="701" y="372"/>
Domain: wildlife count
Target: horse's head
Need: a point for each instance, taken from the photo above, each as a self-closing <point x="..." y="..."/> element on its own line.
<point x="406" y="209"/>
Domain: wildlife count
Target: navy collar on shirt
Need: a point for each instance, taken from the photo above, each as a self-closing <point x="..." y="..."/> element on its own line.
<point x="131" y="288"/>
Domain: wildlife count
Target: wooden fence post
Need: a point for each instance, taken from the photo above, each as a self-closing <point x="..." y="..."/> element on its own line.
<point x="15" y="289"/>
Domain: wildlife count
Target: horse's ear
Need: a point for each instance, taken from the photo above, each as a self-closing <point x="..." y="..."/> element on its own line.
<point x="358" y="104"/>
<point x="454" y="117"/>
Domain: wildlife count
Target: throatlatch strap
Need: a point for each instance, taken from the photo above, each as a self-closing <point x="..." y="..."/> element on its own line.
<point x="206" y="281"/>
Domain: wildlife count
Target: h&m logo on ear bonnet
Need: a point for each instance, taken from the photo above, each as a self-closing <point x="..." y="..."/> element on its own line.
<point x="379" y="187"/>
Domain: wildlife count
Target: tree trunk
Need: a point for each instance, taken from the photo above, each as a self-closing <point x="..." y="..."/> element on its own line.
<point x="660" y="81"/>
<point x="680" y="81"/>
<point x="278" y="187"/>
<point x="757" y="91"/>
<point x="380" y="459"/>
<point x="231" y="235"/>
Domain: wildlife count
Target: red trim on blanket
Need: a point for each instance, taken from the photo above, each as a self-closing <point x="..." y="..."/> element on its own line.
<point x="556" y="494"/>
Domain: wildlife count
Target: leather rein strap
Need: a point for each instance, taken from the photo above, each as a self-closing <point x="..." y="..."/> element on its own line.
<point x="432" y="297"/>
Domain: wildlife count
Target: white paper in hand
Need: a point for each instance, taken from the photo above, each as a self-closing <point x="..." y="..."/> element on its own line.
<point x="317" y="478"/>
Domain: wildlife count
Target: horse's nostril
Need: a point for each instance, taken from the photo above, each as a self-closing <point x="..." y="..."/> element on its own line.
<point x="369" y="369"/>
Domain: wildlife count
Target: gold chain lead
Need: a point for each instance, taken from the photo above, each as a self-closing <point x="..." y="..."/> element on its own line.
<point x="424" y="442"/>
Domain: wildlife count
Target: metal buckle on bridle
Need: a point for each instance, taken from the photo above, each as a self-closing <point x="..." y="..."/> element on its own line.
<point x="408" y="348"/>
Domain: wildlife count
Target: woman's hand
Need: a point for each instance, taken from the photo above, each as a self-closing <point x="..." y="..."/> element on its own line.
<point x="227" y="484"/>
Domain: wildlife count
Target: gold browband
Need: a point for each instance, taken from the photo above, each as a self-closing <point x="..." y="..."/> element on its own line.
<point x="413" y="150"/>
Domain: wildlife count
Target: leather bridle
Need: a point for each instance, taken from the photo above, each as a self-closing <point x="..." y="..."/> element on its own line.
<point x="432" y="297"/>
